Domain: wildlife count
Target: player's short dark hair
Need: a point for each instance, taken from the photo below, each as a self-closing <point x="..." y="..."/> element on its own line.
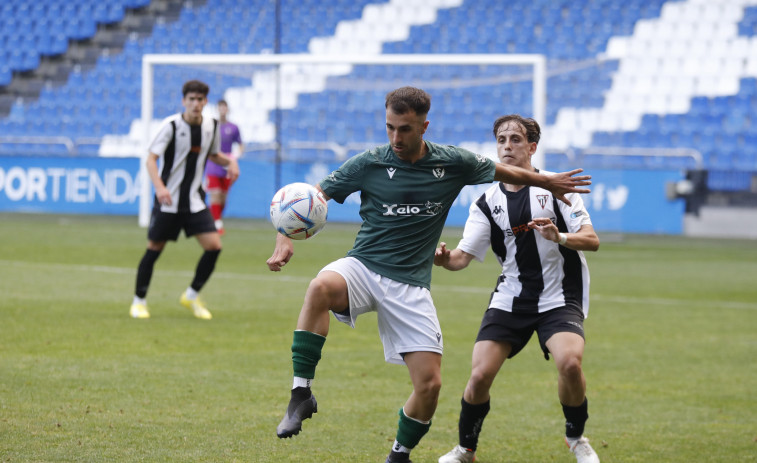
<point x="533" y="131"/>
<point x="195" y="86"/>
<point x="407" y="99"/>
<point x="223" y="102"/>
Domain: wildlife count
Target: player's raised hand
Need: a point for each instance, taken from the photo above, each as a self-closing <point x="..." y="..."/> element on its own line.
<point x="568" y="182"/>
<point x="545" y="227"/>
<point x="455" y="259"/>
<point x="283" y="251"/>
<point x="441" y="256"/>
<point x="232" y="170"/>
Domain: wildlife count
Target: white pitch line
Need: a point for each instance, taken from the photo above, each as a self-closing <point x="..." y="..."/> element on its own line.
<point x="435" y="289"/>
<point x="132" y="271"/>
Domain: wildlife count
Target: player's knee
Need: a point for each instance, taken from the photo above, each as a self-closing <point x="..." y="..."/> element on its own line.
<point x="570" y="366"/>
<point x="210" y="241"/>
<point x="156" y="245"/>
<point x="213" y="247"/>
<point x="323" y="290"/>
<point x="330" y="287"/>
<point x="430" y="388"/>
<point x="318" y="287"/>
<point x="480" y="382"/>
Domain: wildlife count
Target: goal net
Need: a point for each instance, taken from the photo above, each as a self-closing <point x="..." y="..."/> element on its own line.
<point x="304" y="109"/>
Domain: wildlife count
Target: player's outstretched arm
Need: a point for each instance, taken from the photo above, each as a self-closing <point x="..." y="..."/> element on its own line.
<point x="567" y="182"/>
<point x="283" y="251"/>
<point x="559" y="184"/>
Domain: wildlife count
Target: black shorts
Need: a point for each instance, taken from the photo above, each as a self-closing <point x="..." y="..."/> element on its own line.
<point x="165" y="226"/>
<point x="517" y="328"/>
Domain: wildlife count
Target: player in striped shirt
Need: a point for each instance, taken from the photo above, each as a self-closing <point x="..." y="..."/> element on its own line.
<point x="183" y="143"/>
<point x="543" y="287"/>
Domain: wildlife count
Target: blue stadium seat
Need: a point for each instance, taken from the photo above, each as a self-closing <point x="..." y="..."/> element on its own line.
<point x="567" y="32"/>
<point x="6" y="75"/>
<point x="115" y="13"/>
<point x="136" y="3"/>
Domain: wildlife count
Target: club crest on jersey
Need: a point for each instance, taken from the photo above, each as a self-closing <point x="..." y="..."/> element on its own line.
<point x="438" y="172"/>
<point x="391" y="171"/>
<point x="542" y="200"/>
<point x="433" y="208"/>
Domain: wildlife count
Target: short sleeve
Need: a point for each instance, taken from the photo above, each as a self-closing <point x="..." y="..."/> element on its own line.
<point x="345" y="180"/>
<point x="162" y="139"/>
<point x="476" y="234"/>
<point x="237" y="135"/>
<point x="480" y="168"/>
<point x="576" y="215"/>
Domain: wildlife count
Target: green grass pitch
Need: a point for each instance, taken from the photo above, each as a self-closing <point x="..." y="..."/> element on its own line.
<point x="670" y="356"/>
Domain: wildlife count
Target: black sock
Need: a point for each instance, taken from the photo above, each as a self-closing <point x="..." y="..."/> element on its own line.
<point x="301" y="393"/>
<point x="144" y="272"/>
<point x="575" y="419"/>
<point x="204" y="269"/>
<point x="399" y="457"/>
<point x="298" y="395"/>
<point x="471" y="420"/>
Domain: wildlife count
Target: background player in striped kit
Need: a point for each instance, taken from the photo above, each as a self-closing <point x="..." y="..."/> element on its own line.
<point x="183" y="143"/>
<point x="544" y="287"/>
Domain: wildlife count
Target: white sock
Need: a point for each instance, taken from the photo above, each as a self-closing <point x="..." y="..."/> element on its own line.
<point x="191" y="294"/>
<point x="397" y="447"/>
<point x="139" y="300"/>
<point x="301" y="382"/>
<point x="572" y="440"/>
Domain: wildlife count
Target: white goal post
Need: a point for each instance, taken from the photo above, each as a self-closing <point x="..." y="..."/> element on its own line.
<point x="149" y="61"/>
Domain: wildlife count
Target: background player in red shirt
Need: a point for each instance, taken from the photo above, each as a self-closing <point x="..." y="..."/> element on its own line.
<point x="218" y="182"/>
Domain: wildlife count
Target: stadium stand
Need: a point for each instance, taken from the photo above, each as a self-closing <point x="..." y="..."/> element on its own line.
<point x="638" y="74"/>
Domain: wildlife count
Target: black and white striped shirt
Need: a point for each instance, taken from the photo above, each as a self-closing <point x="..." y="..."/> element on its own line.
<point x="183" y="149"/>
<point x="537" y="274"/>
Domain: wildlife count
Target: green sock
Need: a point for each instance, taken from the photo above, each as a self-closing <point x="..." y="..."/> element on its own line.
<point x="410" y="431"/>
<point x="306" y="352"/>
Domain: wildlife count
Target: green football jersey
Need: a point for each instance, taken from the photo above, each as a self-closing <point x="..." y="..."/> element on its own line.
<point x="404" y="206"/>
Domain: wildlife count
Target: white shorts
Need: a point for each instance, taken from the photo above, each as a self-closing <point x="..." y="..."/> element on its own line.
<point x="407" y="318"/>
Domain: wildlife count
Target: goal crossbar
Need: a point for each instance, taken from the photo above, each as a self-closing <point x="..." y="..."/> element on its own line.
<point x="149" y="61"/>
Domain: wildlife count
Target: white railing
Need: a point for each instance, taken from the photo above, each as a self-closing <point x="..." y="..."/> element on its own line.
<point x="67" y="142"/>
<point x="577" y="154"/>
<point x="341" y="151"/>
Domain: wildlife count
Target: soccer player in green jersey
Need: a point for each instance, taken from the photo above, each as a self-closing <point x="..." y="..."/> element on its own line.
<point x="407" y="187"/>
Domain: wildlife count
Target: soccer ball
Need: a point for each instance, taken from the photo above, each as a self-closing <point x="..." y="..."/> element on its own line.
<point x="299" y="211"/>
